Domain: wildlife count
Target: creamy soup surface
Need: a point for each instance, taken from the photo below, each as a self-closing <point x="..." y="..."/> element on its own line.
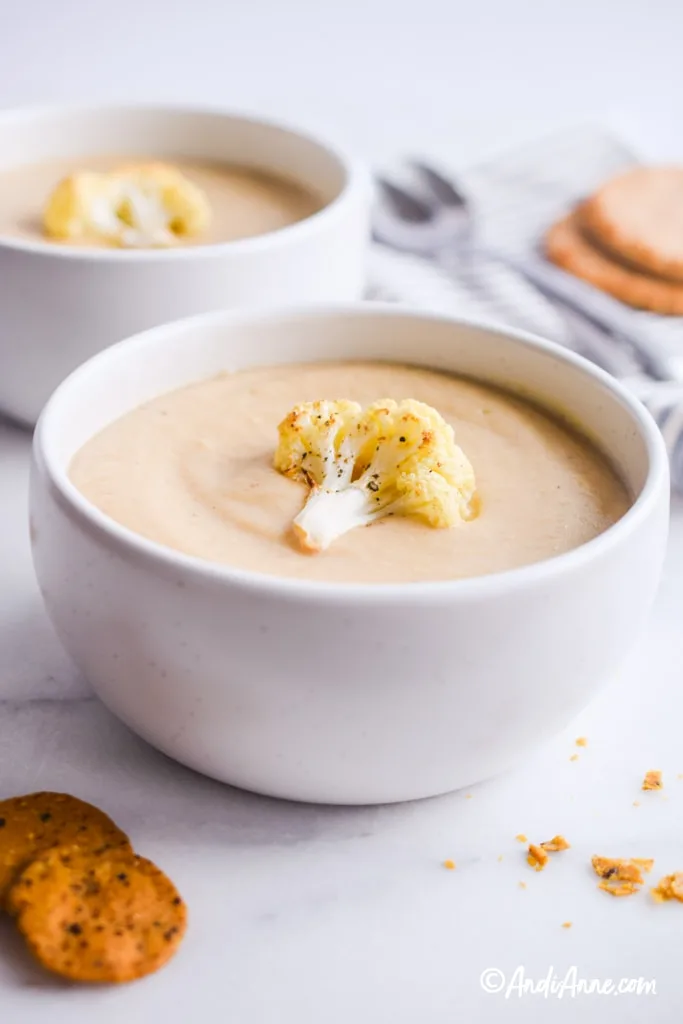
<point x="244" y="202"/>
<point x="193" y="470"/>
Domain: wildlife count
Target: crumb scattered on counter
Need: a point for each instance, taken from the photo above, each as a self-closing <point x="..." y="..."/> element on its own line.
<point x="574" y="757"/>
<point x="621" y="867"/>
<point x="566" y="924"/>
<point x="653" y="780"/>
<point x="521" y="838"/>
<point x="621" y="876"/>
<point x="449" y="864"/>
<point x="522" y="885"/>
<point x="680" y="776"/>
<point x="468" y="796"/>
<point x="555" y="844"/>
<point x="500" y="857"/>
<point x="582" y="741"/>
<point x="636" y="803"/>
<point x="619" y="888"/>
<point x="537" y="858"/>
<point x="669" y="888"/>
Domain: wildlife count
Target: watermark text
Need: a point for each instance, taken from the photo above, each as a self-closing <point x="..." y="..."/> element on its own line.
<point x="554" y="985"/>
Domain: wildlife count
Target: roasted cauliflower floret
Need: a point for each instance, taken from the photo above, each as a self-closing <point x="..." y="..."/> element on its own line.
<point x="390" y="459"/>
<point x="135" y="206"/>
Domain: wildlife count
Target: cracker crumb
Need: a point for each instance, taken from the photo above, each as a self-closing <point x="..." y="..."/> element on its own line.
<point x="653" y="780"/>
<point x="521" y="838"/>
<point x="680" y="776"/>
<point x="468" y="796"/>
<point x="555" y="844"/>
<point x="582" y="741"/>
<point x="636" y="803"/>
<point x="537" y="858"/>
<point x="622" y="889"/>
<point x="669" y="888"/>
<point x="566" y="924"/>
<point x="574" y="757"/>
<point x="500" y="857"/>
<point x="449" y="864"/>
<point x="522" y="885"/>
<point x="621" y="876"/>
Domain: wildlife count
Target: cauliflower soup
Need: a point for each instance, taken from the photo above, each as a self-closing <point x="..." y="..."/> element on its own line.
<point x="194" y="470"/>
<point x="242" y="201"/>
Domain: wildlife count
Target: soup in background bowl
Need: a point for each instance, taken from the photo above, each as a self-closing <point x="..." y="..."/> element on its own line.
<point x="241" y="201"/>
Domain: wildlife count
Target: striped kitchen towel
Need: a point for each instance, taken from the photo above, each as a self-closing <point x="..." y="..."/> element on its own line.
<point x="514" y="199"/>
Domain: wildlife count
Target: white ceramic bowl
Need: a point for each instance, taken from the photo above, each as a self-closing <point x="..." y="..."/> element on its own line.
<point x="60" y="305"/>
<point x="342" y="693"/>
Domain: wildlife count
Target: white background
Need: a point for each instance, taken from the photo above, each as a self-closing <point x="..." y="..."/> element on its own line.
<point x="321" y="916"/>
<point x="466" y="76"/>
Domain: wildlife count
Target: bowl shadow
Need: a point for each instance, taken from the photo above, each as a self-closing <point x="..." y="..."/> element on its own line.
<point x="79" y="747"/>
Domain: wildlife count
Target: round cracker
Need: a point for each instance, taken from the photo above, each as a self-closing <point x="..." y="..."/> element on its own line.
<point x="638" y="216"/>
<point x="98" y="917"/>
<point x="38" y="821"/>
<point x="568" y="247"/>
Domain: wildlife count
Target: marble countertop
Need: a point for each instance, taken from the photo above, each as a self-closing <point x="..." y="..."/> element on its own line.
<point x="328" y="915"/>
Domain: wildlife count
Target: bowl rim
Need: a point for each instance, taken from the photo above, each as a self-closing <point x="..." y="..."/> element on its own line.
<point x="355" y="174"/>
<point x="156" y="556"/>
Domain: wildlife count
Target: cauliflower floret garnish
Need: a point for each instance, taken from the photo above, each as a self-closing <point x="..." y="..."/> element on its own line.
<point x="391" y="459"/>
<point x="137" y="206"/>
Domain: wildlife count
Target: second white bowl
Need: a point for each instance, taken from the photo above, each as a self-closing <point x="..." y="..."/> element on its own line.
<point x="60" y="305"/>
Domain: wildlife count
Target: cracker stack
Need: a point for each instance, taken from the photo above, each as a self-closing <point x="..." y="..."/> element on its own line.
<point x="627" y="239"/>
<point x="89" y="908"/>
